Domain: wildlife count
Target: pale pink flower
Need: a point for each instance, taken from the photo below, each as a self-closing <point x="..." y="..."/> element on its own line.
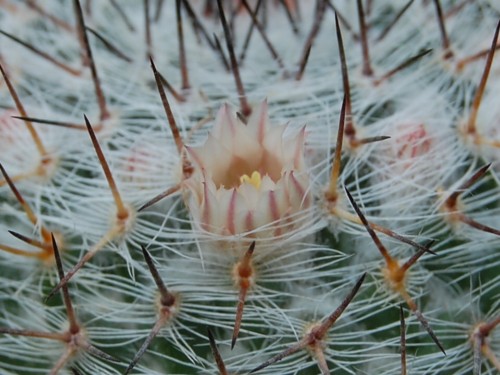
<point x="249" y="179"/>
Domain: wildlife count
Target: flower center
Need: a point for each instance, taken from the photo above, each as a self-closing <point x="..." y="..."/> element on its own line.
<point x="255" y="179"/>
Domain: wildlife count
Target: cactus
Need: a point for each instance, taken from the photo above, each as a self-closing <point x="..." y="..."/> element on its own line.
<point x="240" y="186"/>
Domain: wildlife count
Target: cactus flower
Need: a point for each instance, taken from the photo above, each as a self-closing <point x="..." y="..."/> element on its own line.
<point x="249" y="179"/>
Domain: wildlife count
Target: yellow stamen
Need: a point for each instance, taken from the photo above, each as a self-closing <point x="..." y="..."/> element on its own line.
<point x="255" y="179"/>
